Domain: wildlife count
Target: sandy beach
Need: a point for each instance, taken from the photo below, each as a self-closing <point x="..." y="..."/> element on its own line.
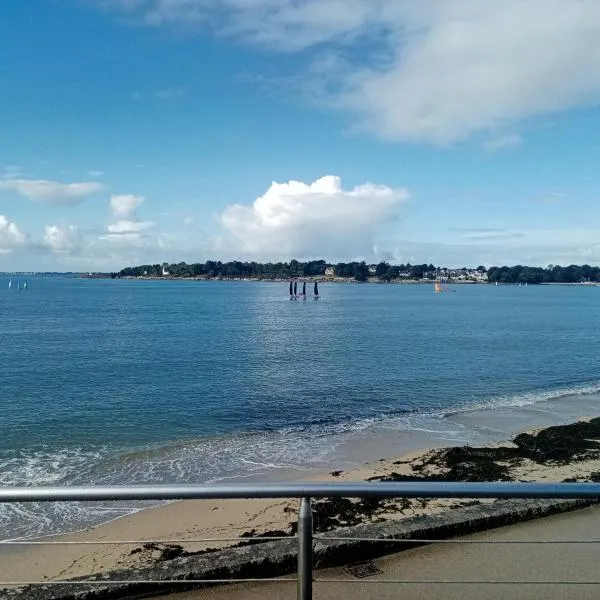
<point x="558" y="453"/>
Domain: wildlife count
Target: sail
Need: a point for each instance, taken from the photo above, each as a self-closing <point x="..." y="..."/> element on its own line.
<point x="304" y="288"/>
<point x="295" y="288"/>
<point x="316" y="289"/>
<point x="10" y="285"/>
<point x="437" y="287"/>
<point x="291" y="289"/>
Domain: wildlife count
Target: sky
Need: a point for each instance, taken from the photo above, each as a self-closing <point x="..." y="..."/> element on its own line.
<point x="457" y="132"/>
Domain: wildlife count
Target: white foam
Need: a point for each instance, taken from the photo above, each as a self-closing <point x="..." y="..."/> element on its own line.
<point x="226" y="458"/>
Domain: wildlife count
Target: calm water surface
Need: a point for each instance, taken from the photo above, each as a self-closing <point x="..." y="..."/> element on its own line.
<point x="165" y="381"/>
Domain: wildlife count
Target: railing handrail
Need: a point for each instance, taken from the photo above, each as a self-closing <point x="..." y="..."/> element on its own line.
<point x="305" y="491"/>
<point x="359" y="489"/>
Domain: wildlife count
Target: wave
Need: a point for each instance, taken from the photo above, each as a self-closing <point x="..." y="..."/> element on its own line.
<point x="524" y="399"/>
<point x="288" y="452"/>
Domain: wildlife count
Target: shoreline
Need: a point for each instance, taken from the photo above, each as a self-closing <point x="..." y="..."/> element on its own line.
<point x="556" y="453"/>
<point x="328" y="279"/>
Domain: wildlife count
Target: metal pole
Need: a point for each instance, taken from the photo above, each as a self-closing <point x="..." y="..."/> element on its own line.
<point x="349" y="489"/>
<point x="305" y="550"/>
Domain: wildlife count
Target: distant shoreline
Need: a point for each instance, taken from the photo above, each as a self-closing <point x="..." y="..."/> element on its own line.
<point x="322" y="279"/>
<point x="308" y="278"/>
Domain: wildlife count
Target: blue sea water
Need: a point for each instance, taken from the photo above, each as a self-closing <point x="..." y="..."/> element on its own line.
<point x="109" y="381"/>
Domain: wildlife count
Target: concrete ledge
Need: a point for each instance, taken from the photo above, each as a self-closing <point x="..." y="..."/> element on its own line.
<point x="278" y="558"/>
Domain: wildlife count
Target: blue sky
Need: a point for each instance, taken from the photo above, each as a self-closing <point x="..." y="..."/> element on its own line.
<point x="456" y="132"/>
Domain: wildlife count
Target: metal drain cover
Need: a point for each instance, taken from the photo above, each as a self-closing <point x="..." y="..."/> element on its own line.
<point x="363" y="569"/>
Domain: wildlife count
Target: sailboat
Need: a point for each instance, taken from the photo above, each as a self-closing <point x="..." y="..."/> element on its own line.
<point x="316" y="291"/>
<point x="10" y="285"/>
<point x="304" y="290"/>
<point x="295" y="289"/>
<point x="19" y="285"/>
<point x="437" y="287"/>
<point x="291" y="291"/>
<point x="25" y="285"/>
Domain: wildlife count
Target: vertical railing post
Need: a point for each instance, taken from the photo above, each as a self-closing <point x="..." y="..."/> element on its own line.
<point x="305" y="550"/>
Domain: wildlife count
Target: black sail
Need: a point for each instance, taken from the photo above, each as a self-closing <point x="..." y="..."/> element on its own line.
<point x="304" y="288"/>
<point x="291" y="289"/>
<point x="295" y="288"/>
<point x="316" y="289"/>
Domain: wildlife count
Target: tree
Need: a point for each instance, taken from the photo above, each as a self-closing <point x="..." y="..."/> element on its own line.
<point x="381" y="269"/>
<point x="294" y="268"/>
<point x="361" y="271"/>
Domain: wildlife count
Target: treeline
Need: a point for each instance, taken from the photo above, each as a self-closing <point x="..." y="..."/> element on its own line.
<point x="359" y="271"/>
<point x="234" y="269"/>
<point x="550" y="274"/>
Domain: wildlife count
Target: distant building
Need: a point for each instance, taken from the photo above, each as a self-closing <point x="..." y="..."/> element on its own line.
<point x="329" y="271"/>
<point x="372" y="269"/>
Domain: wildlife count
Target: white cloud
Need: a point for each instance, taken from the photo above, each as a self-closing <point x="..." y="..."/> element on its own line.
<point x="62" y="239"/>
<point x="129" y="227"/>
<point x="306" y="220"/>
<point x="124" y="206"/>
<point x="11" y="236"/>
<point x="53" y="192"/>
<point x="439" y="71"/>
<point x="504" y="141"/>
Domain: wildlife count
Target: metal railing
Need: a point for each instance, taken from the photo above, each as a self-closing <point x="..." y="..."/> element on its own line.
<point x="305" y="492"/>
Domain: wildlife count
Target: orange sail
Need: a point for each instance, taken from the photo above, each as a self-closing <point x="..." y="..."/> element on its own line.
<point x="437" y="287"/>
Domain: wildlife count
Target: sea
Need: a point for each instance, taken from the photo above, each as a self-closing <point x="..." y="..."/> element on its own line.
<point x="138" y="382"/>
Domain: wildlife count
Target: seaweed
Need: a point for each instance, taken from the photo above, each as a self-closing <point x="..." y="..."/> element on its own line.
<point x="562" y="443"/>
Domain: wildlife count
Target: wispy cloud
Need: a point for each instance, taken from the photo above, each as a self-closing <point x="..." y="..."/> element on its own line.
<point x="171" y="93"/>
<point x="494" y="236"/>
<point x="11" y="172"/>
<point x="175" y="93"/>
<point x="128" y="227"/>
<point x="552" y="198"/>
<point x="95" y="173"/>
<point x="440" y="71"/>
<point x="53" y="192"/>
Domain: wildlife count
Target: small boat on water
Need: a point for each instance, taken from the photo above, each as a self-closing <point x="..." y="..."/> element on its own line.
<point x="316" y="291"/>
<point x="304" y="290"/>
<point x="295" y="289"/>
<point x="10" y="285"/>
